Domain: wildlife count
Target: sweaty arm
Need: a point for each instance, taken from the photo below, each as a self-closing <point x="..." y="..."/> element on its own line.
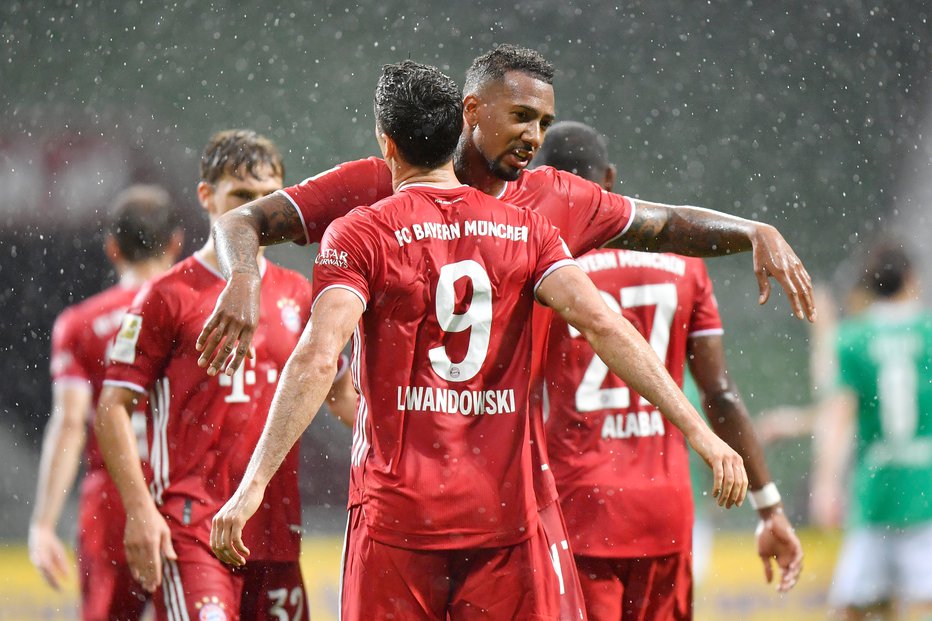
<point x="305" y="382"/>
<point x="698" y="232"/>
<point x="729" y="418"/>
<point x="570" y="293"/>
<point x="147" y="537"/>
<point x="62" y="447"/>
<point x="238" y="235"/>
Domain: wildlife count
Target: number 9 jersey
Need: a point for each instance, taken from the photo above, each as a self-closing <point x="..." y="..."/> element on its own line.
<point x="441" y="455"/>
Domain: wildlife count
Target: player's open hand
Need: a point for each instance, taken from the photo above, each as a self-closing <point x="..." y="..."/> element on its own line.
<point x="729" y="478"/>
<point x="148" y="541"/>
<point x="774" y="258"/>
<point x="48" y="555"/>
<point x="226" y="530"/>
<point x="777" y="541"/>
<point x="227" y="334"/>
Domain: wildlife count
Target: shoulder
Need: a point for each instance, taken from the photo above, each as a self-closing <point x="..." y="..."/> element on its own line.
<point x="285" y="276"/>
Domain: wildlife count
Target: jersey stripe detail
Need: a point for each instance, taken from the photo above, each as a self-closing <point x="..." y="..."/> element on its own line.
<point x="709" y="332"/>
<point x="360" y="442"/>
<point x="627" y="226"/>
<point x="173" y="591"/>
<point x="359" y="295"/>
<point x="122" y="384"/>
<point x="307" y="236"/>
<point x="552" y="269"/>
<point x="159" y="401"/>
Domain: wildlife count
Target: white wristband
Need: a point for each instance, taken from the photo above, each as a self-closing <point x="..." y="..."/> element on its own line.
<point x="765" y="497"/>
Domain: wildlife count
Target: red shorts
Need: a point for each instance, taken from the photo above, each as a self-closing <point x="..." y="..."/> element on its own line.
<point x="273" y="591"/>
<point x="653" y="587"/>
<point x="197" y="587"/>
<point x="572" y="604"/>
<point x="385" y="582"/>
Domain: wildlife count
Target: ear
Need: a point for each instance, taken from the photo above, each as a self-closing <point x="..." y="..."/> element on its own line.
<point x="205" y="193"/>
<point x="609" y="180"/>
<point x="112" y="250"/>
<point x="390" y="150"/>
<point x="471" y="105"/>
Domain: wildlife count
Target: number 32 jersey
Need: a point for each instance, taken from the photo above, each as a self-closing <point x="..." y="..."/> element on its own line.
<point x="622" y="470"/>
<point x="204" y="429"/>
<point x="441" y="455"/>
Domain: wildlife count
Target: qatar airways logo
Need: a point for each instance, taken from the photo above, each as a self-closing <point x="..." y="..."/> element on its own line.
<point x="331" y="257"/>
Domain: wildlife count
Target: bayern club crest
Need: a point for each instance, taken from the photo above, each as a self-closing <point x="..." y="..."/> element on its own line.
<point x="291" y="314"/>
<point x="211" y="609"/>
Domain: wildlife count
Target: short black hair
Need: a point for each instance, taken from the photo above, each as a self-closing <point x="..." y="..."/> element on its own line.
<point x="886" y="269"/>
<point x="142" y="222"/>
<point x="239" y="152"/>
<point x="421" y="110"/>
<point x="493" y="65"/>
<point x="575" y="147"/>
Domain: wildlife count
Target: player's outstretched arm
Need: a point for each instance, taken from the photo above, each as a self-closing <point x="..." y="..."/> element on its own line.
<point x="831" y="450"/>
<point x="305" y="382"/>
<point x="571" y="294"/>
<point x="698" y="232"/>
<point x="237" y="237"/>
<point x="728" y="417"/>
<point x="147" y="538"/>
<point x="62" y="447"/>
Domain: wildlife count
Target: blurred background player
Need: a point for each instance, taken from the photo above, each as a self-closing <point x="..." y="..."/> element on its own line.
<point x="142" y="241"/>
<point x="205" y="428"/>
<point x="623" y="474"/>
<point x="436" y="283"/>
<point x="878" y="426"/>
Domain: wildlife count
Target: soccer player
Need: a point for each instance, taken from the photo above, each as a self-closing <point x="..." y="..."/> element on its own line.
<point x="882" y="409"/>
<point x="204" y="428"/>
<point x="623" y="474"/>
<point x="436" y="284"/>
<point x="142" y="241"/>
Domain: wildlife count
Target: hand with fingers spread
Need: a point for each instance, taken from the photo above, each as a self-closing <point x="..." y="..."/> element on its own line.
<point x="226" y="530"/>
<point x="148" y="542"/>
<point x="227" y="334"/>
<point x="730" y="480"/>
<point x="777" y="541"/>
<point x="773" y="257"/>
<point x="48" y="555"/>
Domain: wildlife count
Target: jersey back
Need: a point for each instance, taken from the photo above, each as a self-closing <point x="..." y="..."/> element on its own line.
<point x="885" y="359"/>
<point x="441" y="456"/>
<point x="204" y="429"/>
<point x="621" y="469"/>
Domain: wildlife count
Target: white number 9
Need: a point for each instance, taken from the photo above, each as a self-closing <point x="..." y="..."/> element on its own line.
<point x="478" y="317"/>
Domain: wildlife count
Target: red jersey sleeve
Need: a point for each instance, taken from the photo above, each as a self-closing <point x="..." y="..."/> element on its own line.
<point x="332" y="194"/>
<point x="705" y="320"/>
<point x="144" y="343"/>
<point x="67" y="363"/>
<point x="597" y="216"/>
<point x="345" y="259"/>
<point x="552" y="250"/>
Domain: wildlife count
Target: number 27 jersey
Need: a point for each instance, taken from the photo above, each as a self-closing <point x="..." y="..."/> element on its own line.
<point x="441" y="456"/>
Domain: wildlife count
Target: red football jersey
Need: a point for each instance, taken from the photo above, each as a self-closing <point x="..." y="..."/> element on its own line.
<point x="440" y="457"/>
<point x="80" y="341"/>
<point x="204" y="429"/>
<point x="586" y="215"/>
<point x="621" y="468"/>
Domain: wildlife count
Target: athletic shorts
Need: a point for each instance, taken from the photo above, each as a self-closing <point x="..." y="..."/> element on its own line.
<point x="640" y="589"/>
<point x="273" y="591"/>
<point x="108" y="590"/>
<point x="878" y="564"/>
<point x="572" y="604"/>
<point x="197" y="587"/>
<point x="384" y="582"/>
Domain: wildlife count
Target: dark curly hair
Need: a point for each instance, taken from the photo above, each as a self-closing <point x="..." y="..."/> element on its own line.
<point x="493" y="65"/>
<point x="239" y="152"/>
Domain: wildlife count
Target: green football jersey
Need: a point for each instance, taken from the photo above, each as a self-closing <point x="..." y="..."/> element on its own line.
<point x="885" y="358"/>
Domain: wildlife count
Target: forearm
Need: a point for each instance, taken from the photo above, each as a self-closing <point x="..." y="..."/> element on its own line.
<point x="62" y="447"/>
<point x="118" y="447"/>
<point x="833" y="440"/>
<point x="686" y="230"/>
<point x="730" y="421"/>
<point x="238" y="234"/>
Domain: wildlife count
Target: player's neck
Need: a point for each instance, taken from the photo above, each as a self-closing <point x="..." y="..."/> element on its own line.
<point x="472" y="169"/>
<point x="208" y="254"/>
<point x="134" y="275"/>
<point x="405" y="174"/>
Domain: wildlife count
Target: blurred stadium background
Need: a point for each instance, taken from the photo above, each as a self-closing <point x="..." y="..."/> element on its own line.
<point x="815" y="117"/>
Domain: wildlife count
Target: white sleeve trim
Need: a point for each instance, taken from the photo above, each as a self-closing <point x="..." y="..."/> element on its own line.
<point x="359" y="295"/>
<point x="307" y="236"/>
<point x="709" y="332"/>
<point x="634" y="209"/>
<point x="552" y="269"/>
<point x="72" y="380"/>
<point x="121" y="384"/>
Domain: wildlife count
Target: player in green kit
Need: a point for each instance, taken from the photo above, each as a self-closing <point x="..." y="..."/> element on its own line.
<point x="883" y="410"/>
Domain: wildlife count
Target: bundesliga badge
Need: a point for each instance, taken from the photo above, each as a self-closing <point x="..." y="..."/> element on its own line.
<point x="291" y="317"/>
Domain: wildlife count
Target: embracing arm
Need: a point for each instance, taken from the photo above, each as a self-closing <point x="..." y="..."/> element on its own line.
<point x="62" y="447"/>
<point x="147" y="537"/>
<point x="729" y="419"/>
<point x="237" y="236"/>
<point x="305" y="382"/>
<point x="571" y="294"/>
<point x="698" y="232"/>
